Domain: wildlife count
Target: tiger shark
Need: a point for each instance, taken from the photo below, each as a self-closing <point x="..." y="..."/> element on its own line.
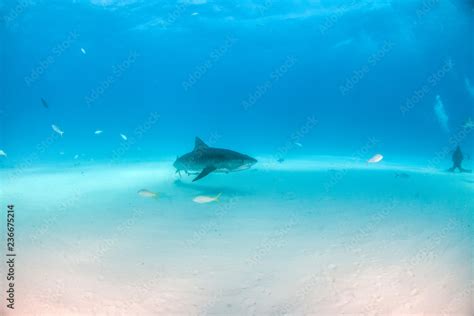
<point x="204" y="159"/>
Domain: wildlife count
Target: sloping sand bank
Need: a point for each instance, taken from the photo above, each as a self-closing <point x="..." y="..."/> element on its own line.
<point x="293" y="238"/>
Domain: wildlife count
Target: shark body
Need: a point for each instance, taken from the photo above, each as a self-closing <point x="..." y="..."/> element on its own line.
<point x="204" y="159"/>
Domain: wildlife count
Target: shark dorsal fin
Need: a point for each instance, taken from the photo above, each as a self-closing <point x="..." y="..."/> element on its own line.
<point x="199" y="144"/>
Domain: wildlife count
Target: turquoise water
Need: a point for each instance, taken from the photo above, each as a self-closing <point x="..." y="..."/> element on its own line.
<point x="311" y="89"/>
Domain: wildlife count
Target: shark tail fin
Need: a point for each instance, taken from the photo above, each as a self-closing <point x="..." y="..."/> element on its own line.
<point x="217" y="198"/>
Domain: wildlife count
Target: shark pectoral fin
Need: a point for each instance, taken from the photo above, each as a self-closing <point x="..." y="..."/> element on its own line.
<point x="205" y="172"/>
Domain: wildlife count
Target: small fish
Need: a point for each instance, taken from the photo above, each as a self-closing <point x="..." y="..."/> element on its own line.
<point x="76" y="156"/>
<point x="376" y="158"/>
<point x="98" y="132"/>
<point x="194" y="13"/>
<point x="123" y="137"/>
<point x="61" y="153"/>
<point x="299" y="144"/>
<point x="45" y="104"/>
<point x="83" y="51"/>
<point x="148" y="194"/>
<point x="280" y="160"/>
<point x="57" y="130"/>
<point x="2" y="153"/>
<point x="207" y="199"/>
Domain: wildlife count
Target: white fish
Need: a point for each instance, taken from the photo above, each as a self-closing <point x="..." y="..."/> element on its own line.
<point x="123" y="136"/>
<point x="98" y="132"/>
<point x="57" y="130"/>
<point x="76" y="156"/>
<point x="207" y="199"/>
<point x="194" y="13"/>
<point x="61" y="153"/>
<point x="83" y="51"/>
<point x="441" y="114"/>
<point x="2" y="153"/>
<point x="299" y="144"/>
<point x="148" y="194"/>
<point x="376" y="158"/>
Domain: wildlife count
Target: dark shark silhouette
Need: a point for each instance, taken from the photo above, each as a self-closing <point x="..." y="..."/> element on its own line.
<point x="204" y="159"/>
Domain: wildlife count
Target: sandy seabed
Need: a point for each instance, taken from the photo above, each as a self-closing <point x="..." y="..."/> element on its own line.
<point x="297" y="238"/>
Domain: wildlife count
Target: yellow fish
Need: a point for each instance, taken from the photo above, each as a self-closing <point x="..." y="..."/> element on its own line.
<point x="207" y="199"/>
<point x="148" y="194"/>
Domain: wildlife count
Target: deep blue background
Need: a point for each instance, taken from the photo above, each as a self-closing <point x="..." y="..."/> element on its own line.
<point x="265" y="37"/>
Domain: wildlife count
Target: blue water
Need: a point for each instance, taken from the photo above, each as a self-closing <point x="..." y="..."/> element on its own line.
<point x="312" y="89"/>
<point x="162" y="49"/>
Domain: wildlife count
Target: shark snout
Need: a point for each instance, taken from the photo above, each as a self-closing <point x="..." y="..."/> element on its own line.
<point x="249" y="161"/>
